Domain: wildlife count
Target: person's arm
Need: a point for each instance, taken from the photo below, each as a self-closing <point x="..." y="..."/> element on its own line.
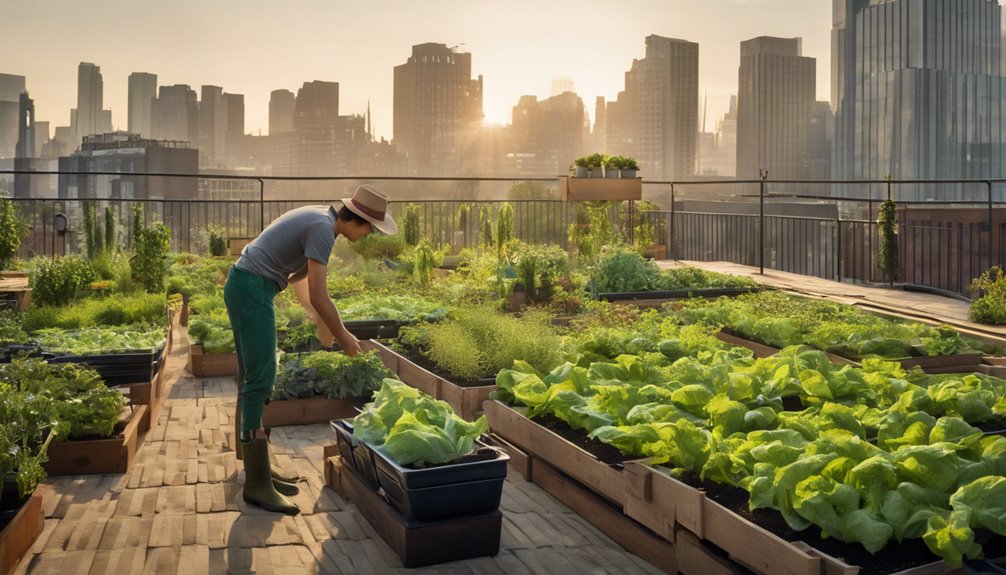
<point x="318" y="298"/>
<point x="298" y="282"/>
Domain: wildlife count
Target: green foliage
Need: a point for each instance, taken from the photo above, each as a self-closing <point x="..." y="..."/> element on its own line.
<point x="110" y="240"/>
<point x="393" y="307"/>
<point x="329" y="373"/>
<point x="137" y="224"/>
<point x="480" y="341"/>
<point x="410" y="225"/>
<point x="138" y="308"/>
<point x="990" y="305"/>
<point x="56" y="281"/>
<point x="217" y="240"/>
<point x="10" y="328"/>
<point x="425" y="259"/>
<point x="887" y="222"/>
<point x="621" y="270"/>
<point x="504" y="228"/>
<point x="592" y="230"/>
<point x="414" y="429"/>
<point x="101" y="340"/>
<point x="189" y="274"/>
<point x="90" y="234"/>
<point x="149" y="261"/>
<point x="486" y="240"/>
<point x="78" y="401"/>
<point x="12" y="230"/>
<point x="378" y="246"/>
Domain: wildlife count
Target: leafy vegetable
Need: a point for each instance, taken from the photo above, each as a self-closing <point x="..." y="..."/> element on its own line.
<point x="329" y="373"/>
<point x="414" y="429"/>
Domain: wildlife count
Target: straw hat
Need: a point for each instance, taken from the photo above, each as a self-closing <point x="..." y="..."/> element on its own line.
<point x="372" y="206"/>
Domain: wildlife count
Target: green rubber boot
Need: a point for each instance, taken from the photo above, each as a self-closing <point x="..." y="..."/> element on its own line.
<point x="284" y="487"/>
<point x="277" y="476"/>
<point x="259" y="488"/>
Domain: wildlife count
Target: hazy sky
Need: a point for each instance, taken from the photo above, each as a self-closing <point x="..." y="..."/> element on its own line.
<point x="252" y="47"/>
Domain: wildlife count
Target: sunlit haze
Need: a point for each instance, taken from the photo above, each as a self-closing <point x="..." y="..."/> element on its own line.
<point x="252" y="47"/>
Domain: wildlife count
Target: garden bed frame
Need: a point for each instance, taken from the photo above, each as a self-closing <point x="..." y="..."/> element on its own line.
<point x="466" y="401"/>
<point x="18" y="536"/>
<point x="417" y="543"/>
<point x="306" y="411"/>
<point x="641" y="503"/>
<point x="203" y="364"/>
<point x="98" y="456"/>
<point x="959" y="363"/>
<point x="657" y="297"/>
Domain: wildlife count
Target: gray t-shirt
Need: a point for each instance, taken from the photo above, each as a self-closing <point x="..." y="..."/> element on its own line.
<point x="285" y="245"/>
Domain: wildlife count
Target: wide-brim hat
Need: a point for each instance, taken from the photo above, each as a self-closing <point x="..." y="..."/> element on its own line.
<point x="372" y="206"/>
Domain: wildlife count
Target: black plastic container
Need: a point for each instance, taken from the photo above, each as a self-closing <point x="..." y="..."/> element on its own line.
<point x="443" y="491"/>
<point x="354" y="452"/>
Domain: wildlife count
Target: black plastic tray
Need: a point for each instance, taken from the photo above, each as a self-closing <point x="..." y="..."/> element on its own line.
<point x="442" y="501"/>
<point x="108" y="358"/>
<point x="410" y="478"/>
<point x="373" y="329"/>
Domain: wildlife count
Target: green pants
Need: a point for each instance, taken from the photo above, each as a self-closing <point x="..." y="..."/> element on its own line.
<point x="249" y="300"/>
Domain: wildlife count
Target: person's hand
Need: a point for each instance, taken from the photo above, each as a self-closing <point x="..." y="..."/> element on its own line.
<point x="324" y="336"/>
<point x="348" y="342"/>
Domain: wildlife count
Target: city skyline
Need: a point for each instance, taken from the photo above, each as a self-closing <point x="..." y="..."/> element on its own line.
<point x="274" y="50"/>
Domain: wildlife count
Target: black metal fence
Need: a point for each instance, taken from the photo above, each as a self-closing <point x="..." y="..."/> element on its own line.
<point x="769" y="224"/>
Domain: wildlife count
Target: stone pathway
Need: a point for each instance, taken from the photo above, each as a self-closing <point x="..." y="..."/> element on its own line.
<point x="180" y="511"/>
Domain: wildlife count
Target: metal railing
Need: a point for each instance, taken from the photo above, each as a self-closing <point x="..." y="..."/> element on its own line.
<point x="943" y="244"/>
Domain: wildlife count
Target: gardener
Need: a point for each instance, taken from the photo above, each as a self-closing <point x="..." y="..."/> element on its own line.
<point x="294" y="250"/>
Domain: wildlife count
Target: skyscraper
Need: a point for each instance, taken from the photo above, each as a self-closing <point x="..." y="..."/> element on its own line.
<point x="11" y="87"/>
<point x="142" y="91"/>
<point x="234" y="129"/>
<point x="655" y="119"/>
<point x="918" y="92"/>
<point x="90" y="116"/>
<point x="212" y="125"/>
<point x="25" y="127"/>
<point x="547" y="135"/>
<point x="175" y="114"/>
<point x="437" y="109"/>
<point x="776" y="94"/>
<point x="281" y="106"/>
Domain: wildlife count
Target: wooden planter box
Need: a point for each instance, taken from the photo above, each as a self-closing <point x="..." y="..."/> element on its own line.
<point x="211" y="364"/>
<point x="594" y="189"/>
<point x="19" y="535"/>
<point x="307" y="411"/>
<point x="417" y="543"/>
<point x="546" y="446"/>
<point x="97" y="456"/>
<point x="466" y="401"/>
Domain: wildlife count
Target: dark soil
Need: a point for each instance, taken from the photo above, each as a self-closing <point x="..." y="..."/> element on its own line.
<point x="428" y="365"/>
<point x="10" y="503"/>
<point x="480" y="454"/>
<point x="602" y="451"/>
<point x="892" y="558"/>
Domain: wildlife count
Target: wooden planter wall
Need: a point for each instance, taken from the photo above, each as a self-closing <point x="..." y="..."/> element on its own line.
<point x="307" y="411"/>
<point x="97" y="456"/>
<point x="19" y="535"/>
<point x="211" y="364"/>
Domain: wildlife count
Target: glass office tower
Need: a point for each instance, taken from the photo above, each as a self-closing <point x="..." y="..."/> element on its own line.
<point x="918" y="94"/>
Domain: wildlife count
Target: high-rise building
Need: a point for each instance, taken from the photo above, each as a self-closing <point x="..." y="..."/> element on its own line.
<point x="547" y="135"/>
<point x="437" y="110"/>
<point x="212" y="125"/>
<point x="235" y="150"/>
<point x="820" y="136"/>
<point x="655" y="119"/>
<point x="11" y="87"/>
<point x="41" y="137"/>
<point x="918" y="93"/>
<point x="174" y="114"/>
<point x="316" y="106"/>
<point x="25" y="127"/>
<point x="776" y="94"/>
<point x="126" y="152"/>
<point x="142" y="91"/>
<point x="281" y="106"/>
<point x="90" y="116"/>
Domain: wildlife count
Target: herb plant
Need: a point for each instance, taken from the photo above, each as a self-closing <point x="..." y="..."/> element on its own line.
<point x="56" y="281"/>
<point x="329" y="373"/>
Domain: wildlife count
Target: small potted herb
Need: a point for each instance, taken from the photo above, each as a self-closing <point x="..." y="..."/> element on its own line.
<point x="628" y="167"/>
<point x="580" y="167"/>
<point x="595" y="163"/>
<point x="612" y="164"/>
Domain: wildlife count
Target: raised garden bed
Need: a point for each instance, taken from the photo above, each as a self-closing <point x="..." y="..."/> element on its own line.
<point x="307" y="411"/>
<point x="101" y="455"/>
<point x="933" y="365"/>
<point x="202" y="364"/>
<point x="18" y="530"/>
<point x="661" y="296"/>
<point x="467" y="401"/>
<point x="546" y="445"/>
<point x="417" y="543"/>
